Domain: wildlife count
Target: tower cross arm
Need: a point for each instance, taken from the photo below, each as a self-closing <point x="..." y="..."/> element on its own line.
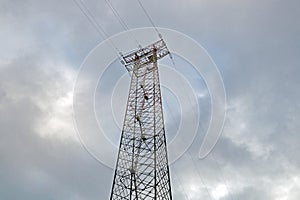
<point x="144" y="55"/>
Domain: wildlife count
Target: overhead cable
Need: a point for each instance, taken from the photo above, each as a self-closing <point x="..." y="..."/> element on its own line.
<point x="84" y="9"/>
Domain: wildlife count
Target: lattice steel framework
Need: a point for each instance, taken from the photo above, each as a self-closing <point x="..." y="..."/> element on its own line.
<point x="142" y="171"/>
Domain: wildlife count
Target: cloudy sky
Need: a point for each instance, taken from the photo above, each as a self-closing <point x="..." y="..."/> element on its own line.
<point x="256" y="46"/>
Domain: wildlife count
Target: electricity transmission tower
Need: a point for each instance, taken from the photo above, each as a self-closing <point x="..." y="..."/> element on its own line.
<point x="142" y="171"/>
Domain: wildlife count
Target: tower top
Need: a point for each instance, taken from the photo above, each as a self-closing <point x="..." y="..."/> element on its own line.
<point x="144" y="55"/>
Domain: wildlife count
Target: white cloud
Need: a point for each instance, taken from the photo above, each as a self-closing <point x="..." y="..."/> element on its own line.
<point x="220" y="191"/>
<point x="254" y="43"/>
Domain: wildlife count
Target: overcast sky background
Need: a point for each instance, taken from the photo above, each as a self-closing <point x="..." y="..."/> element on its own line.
<point x="255" y="44"/>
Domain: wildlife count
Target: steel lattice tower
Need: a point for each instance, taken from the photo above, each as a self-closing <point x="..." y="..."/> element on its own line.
<point x="142" y="171"/>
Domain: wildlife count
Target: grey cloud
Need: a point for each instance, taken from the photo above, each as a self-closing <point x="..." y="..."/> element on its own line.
<point x="33" y="166"/>
<point x="254" y="43"/>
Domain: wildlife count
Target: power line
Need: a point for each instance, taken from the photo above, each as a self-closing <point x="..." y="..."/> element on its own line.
<point x="88" y="14"/>
<point x="220" y="169"/>
<point x="222" y="176"/>
<point x="84" y="9"/>
<point x="202" y="181"/>
<point x="182" y="187"/>
<point x="121" y="21"/>
<point x="188" y="151"/>
<point x="149" y="18"/>
<point x="156" y="29"/>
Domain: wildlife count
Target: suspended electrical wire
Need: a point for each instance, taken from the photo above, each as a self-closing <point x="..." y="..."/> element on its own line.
<point x="185" y="194"/>
<point x="220" y="169"/>
<point x="195" y="164"/>
<point x="121" y="21"/>
<point x="119" y="18"/>
<point x="222" y="176"/>
<point x="202" y="181"/>
<point x="84" y="9"/>
<point x="156" y="29"/>
<point x="149" y="18"/>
